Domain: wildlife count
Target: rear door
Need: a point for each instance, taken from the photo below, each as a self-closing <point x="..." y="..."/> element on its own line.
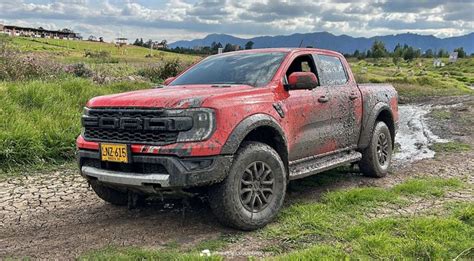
<point x="346" y="103"/>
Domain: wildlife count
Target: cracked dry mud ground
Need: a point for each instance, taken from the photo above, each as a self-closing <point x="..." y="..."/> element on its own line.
<point x="56" y="215"/>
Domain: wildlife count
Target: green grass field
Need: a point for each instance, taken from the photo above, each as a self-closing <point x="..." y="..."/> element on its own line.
<point x="418" y="78"/>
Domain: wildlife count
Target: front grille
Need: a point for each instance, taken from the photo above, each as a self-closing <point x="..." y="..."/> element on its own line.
<point x="161" y="135"/>
<point x="130" y="136"/>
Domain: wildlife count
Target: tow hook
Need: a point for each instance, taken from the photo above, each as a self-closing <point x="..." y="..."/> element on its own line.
<point x="133" y="200"/>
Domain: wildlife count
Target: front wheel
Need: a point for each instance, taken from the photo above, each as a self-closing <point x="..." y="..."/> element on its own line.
<point x="254" y="190"/>
<point x="377" y="157"/>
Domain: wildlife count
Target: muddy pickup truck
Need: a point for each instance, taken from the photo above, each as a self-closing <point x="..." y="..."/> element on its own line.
<point x="237" y="127"/>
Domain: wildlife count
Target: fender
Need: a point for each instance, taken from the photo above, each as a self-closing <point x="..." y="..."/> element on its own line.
<point x="369" y="124"/>
<point x="245" y="127"/>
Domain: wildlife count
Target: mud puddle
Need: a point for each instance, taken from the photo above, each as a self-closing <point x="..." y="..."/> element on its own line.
<point x="414" y="136"/>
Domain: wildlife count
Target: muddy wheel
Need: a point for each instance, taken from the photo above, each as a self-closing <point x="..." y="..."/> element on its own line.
<point x="110" y="195"/>
<point x="254" y="190"/>
<point x="377" y="157"/>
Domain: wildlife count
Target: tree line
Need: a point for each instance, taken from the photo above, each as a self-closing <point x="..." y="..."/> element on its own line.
<point x="402" y="52"/>
<point x="377" y="50"/>
<point x="213" y="48"/>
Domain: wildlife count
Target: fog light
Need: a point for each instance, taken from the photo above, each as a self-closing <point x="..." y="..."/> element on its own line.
<point x="194" y="164"/>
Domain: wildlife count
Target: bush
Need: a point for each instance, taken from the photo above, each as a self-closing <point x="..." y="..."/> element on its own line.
<point x="97" y="54"/>
<point x="16" y="66"/>
<point x="100" y="56"/>
<point x="79" y="70"/>
<point x="161" y="71"/>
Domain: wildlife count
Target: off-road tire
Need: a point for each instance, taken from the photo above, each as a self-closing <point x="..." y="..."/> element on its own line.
<point x="227" y="199"/>
<point x="373" y="164"/>
<point x="110" y="195"/>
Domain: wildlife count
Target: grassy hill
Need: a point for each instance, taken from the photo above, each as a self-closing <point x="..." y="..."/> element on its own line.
<point x="75" y="50"/>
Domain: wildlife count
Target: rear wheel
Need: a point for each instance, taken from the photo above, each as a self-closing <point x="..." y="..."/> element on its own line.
<point x="254" y="190"/>
<point x="377" y="157"/>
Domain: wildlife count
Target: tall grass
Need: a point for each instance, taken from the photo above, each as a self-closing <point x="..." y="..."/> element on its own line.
<point x="39" y="120"/>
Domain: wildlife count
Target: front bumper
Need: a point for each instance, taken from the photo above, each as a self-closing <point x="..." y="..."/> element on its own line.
<point x="151" y="172"/>
<point x="125" y="178"/>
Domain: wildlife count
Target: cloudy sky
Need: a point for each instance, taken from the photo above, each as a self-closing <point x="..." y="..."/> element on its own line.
<point x="188" y="19"/>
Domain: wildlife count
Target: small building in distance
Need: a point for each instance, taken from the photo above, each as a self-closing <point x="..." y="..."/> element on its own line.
<point x="13" y="30"/>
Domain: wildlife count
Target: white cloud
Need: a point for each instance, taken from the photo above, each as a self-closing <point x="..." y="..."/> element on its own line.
<point x="182" y="19"/>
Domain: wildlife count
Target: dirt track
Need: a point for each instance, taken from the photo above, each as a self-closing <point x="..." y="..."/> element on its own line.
<point x="56" y="215"/>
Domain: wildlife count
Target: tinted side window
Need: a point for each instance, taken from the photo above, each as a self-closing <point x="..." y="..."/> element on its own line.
<point x="331" y="70"/>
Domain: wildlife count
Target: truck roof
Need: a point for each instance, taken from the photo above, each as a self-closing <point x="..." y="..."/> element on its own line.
<point x="284" y="50"/>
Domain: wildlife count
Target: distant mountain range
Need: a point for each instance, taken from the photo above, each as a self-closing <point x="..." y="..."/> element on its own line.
<point x="340" y="43"/>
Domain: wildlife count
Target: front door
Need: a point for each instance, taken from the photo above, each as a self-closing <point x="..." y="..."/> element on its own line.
<point x="308" y="114"/>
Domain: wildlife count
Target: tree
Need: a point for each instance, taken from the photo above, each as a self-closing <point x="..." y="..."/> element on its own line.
<point x="148" y="43"/>
<point x="397" y="54"/>
<point x="378" y="49"/>
<point x="92" y="38"/>
<point x="429" y="53"/>
<point x="409" y="54"/>
<point x="369" y="54"/>
<point x="356" y="54"/>
<point x="164" y="43"/>
<point x="461" y="52"/>
<point x="417" y="53"/>
<point x="229" y="48"/>
<point x="137" y="42"/>
<point x="443" y="53"/>
<point x="249" y="45"/>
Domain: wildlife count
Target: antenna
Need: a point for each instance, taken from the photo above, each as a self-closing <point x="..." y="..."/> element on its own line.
<point x="301" y="43"/>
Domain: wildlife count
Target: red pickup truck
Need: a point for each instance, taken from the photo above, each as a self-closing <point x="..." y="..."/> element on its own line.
<point x="238" y="126"/>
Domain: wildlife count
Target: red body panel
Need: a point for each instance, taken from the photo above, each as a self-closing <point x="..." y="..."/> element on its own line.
<point x="310" y="127"/>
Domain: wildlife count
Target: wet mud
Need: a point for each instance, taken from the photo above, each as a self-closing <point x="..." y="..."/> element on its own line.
<point x="414" y="137"/>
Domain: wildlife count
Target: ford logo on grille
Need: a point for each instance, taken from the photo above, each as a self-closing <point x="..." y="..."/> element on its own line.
<point x="134" y="123"/>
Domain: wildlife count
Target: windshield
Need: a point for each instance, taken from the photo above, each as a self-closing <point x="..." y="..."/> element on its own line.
<point x="255" y="69"/>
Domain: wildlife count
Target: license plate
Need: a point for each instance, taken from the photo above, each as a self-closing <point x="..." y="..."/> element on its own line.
<point x="114" y="152"/>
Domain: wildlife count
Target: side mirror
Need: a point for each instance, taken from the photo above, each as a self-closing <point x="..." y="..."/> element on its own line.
<point x="169" y="80"/>
<point x="302" y="81"/>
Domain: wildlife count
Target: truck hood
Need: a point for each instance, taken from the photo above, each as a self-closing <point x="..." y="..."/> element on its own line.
<point x="169" y="97"/>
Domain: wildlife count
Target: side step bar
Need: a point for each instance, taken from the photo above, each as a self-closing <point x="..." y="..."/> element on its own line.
<point x="313" y="166"/>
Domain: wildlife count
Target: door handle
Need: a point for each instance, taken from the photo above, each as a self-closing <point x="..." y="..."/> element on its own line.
<point x="323" y="99"/>
<point x="353" y="96"/>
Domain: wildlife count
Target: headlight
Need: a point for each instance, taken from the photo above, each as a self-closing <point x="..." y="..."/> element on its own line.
<point x="203" y="124"/>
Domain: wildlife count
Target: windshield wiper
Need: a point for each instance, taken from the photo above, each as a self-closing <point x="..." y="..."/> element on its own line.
<point x="228" y="84"/>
